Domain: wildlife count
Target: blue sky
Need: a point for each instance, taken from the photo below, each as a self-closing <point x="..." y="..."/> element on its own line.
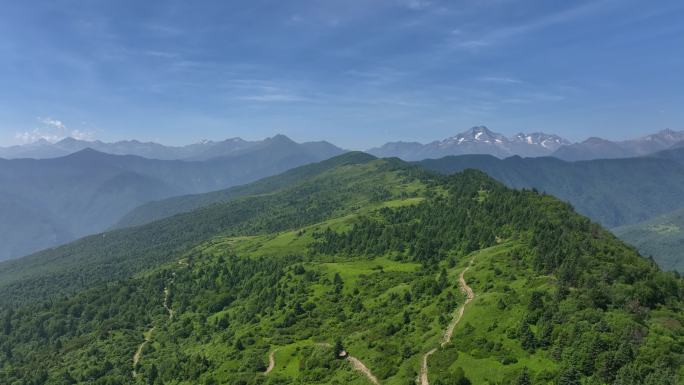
<point x="355" y="72"/>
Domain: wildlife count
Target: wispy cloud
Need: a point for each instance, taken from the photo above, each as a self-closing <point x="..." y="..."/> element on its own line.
<point x="162" y="54"/>
<point x="163" y="30"/>
<point x="416" y="4"/>
<point x="471" y="44"/>
<point x="533" y="98"/>
<point x="269" y="97"/>
<point x="500" y="80"/>
<point x="497" y="35"/>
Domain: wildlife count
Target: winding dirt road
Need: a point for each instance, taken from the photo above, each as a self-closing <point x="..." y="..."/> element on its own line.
<point x="448" y="333"/>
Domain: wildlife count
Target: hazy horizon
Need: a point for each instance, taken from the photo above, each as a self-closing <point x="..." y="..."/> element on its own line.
<point x="55" y="140"/>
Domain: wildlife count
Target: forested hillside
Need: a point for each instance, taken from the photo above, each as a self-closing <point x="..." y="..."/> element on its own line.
<point x="370" y="273"/>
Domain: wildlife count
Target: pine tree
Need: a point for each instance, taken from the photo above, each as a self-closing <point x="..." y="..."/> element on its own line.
<point x="524" y="378"/>
<point x="339" y="348"/>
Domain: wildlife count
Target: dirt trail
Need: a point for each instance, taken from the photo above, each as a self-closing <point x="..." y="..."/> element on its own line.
<point x="166" y="303"/>
<point x="271" y="362"/>
<point x="423" y="380"/>
<point x="148" y="335"/>
<point x="138" y="353"/>
<point x="470" y="295"/>
<point x="448" y="333"/>
<point x="358" y="365"/>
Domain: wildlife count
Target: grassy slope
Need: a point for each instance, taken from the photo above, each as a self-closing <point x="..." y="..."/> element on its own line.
<point x="662" y="238"/>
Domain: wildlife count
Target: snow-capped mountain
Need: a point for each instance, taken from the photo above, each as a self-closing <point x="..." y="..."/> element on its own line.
<point x="477" y="140"/>
<point x="551" y="142"/>
<point x="479" y="134"/>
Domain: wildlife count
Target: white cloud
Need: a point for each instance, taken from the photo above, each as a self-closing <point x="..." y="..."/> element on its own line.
<point x="36" y="135"/>
<point x="52" y="130"/>
<point x="50" y="122"/>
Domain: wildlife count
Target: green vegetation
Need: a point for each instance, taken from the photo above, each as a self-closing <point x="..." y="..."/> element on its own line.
<point x="363" y="258"/>
<point x="661" y="238"/>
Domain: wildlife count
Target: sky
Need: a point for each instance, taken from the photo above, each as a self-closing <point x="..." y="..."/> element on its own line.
<point x="357" y="73"/>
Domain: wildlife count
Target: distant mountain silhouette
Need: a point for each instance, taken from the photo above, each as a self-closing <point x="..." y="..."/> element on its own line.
<point x="203" y="150"/>
<point x="59" y="199"/>
<point x="597" y="148"/>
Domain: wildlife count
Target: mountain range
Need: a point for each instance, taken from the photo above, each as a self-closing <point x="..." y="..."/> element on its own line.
<point x="352" y="271"/>
<point x="50" y="201"/>
<point x="477" y="140"/>
<point x="481" y="140"/>
<point x="203" y="150"/>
